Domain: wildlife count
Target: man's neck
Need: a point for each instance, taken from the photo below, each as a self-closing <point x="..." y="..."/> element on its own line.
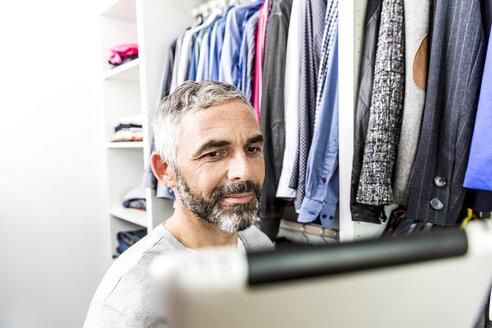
<point x="194" y="232"/>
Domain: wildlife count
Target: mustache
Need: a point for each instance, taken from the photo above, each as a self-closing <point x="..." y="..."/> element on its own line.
<point x="237" y="188"/>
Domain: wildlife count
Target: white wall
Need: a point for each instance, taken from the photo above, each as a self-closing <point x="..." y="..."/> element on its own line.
<point x="53" y="232"/>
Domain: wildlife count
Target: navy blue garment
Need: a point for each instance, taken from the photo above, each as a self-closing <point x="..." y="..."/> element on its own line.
<point x="455" y="71"/>
<point x="127" y="239"/>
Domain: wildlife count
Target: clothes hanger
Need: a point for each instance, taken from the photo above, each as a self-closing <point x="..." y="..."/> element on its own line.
<point x="470" y="216"/>
<point x="303" y="231"/>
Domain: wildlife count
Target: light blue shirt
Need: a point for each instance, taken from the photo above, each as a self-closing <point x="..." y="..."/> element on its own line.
<point x="322" y="179"/>
<point x="202" y="68"/>
<point x="233" y="34"/>
<point x="216" y="42"/>
<point x="247" y="56"/>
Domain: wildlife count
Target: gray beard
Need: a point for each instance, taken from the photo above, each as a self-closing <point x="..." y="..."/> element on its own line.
<point x="230" y="218"/>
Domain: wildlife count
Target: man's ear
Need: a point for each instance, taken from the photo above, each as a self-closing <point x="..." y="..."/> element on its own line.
<point x="163" y="171"/>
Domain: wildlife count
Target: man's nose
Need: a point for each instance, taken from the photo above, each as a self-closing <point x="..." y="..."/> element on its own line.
<point x="240" y="167"/>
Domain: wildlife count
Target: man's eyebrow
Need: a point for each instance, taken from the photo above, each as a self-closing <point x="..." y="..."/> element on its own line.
<point x="211" y="144"/>
<point x="256" y="139"/>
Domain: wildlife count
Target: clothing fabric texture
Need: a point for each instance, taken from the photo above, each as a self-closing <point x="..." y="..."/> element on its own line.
<point x="272" y="122"/>
<point x="125" y="297"/>
<point x="195" y="55"/>
<point x="479" y="170"/>
<point x="481" y="200"/>
<point x="127" y="239"/>
<point x="128" y="128"/>
<point x="362" y="212"/>
<point x="322" y="178"/>
<point x="177" y="54"/>
<point x="259" y="55"/>
<point x="247" y="57"/>
<point x="233" y="34"/>
<point x="216" y="42"/>
<point x="314" y="27"/>
<point x="327" y="42"/>
<point x="291" y="97"/>
<point x="455" y="71"/>
<point x="417" y="22"/>
<point x="383" y="131"/>
<point x="202" y="66"/>
<point x="167" y="72"/>
<point x="186" y="54"/>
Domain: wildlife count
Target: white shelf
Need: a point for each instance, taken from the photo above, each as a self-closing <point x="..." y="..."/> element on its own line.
<point x="121" y="9"/>
<point x="126" y="72"/>
<point x="131" y="215"/>
<point x="125" y="145"/>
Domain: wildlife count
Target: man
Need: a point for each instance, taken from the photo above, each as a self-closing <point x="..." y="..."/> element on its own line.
<point x="209" y="150"/>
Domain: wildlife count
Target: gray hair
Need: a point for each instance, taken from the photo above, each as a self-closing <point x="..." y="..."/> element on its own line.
<point x="189" y="96"/>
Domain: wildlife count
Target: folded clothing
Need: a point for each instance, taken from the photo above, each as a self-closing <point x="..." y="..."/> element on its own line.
<point x="123" y="53"/>
<point x="135" y="198"/>
<point x="127" y="239"/>
<point x="128" y="128"/>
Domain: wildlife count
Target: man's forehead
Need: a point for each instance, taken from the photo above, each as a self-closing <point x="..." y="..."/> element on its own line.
<point x="230" y="114"/>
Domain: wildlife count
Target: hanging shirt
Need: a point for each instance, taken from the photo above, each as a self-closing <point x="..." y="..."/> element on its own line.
<point x="260" y="48"/>
<point x="177" y="54"/>
<point x="272" y="115"/>
<point x="479" y="169"/>
<point x="195" y="55"/>
<point x="311" y="55"/>
<point x="202" y="67"/>
<point x="216" y="41"/>
<point x="322" y="179"/>
<point x="383" y="131"/>
<point x="201" y="51"/>
<point x="247" y="56"/>
<point x="184" y="58"/>
<point x="291" y="96"/>
<point x="331" y="20"/>
<point x="187" y="47"/>
<point x="233" y="34"/>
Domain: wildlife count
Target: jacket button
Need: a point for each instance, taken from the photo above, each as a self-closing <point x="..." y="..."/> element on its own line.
<point x="440" y="182"/>
<point x="436" y="204"/>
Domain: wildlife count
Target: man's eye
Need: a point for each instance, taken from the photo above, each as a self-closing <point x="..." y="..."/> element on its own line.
<point x="213" y="154"/>
<point x="253" y="150"/>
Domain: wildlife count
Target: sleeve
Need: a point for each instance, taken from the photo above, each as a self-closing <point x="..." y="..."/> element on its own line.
<point x="272" y="122"/>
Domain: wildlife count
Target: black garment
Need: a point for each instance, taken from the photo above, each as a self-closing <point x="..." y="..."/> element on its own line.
<point x="455" y="73"/>
<point x="361" y="212"/>
<point x="167" y="76"/>
<point x="167" y="73"/>
<point x="479" y="200"/>
<point x="272" y="122"/>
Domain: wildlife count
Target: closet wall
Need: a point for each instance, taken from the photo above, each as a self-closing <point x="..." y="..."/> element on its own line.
<point x="53" y="240"/>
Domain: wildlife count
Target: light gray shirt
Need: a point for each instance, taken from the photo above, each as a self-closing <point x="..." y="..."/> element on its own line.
<point x="124" y="296"/>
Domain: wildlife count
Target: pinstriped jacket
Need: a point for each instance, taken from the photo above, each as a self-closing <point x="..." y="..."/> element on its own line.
<point x="455" y="70"/>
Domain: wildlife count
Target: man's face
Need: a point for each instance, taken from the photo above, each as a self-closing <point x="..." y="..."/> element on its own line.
<point x="220" y="165"/>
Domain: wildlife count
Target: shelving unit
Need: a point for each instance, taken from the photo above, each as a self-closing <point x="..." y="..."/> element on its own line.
<point x="133" y="89"/>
